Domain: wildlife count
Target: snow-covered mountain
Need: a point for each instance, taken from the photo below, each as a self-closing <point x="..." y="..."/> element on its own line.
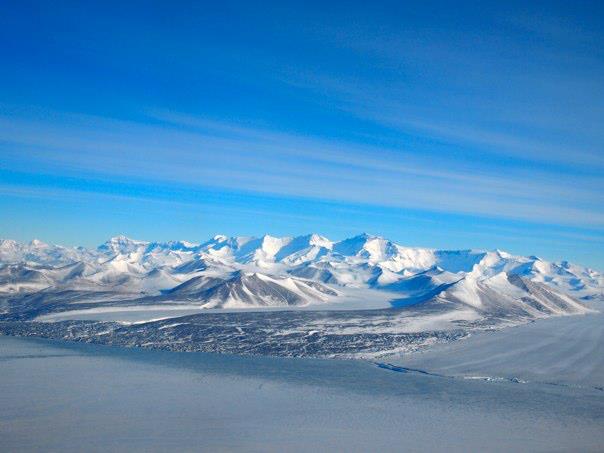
<point x="243" y="272"/>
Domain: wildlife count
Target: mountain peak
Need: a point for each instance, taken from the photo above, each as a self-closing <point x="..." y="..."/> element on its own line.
<point x="362" y="237"/>
<point x="354" y="245"/>
<point x="121" y="238"/>
<point x="320" y="241"/>
<point x="121" y="244"/>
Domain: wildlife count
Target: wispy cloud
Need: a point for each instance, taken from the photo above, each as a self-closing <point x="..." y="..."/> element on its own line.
<point x="513" y="85"/>
<point x="186" y="149"/>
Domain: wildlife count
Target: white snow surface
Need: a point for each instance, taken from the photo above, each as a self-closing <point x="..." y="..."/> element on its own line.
<point x="58" y="396"/>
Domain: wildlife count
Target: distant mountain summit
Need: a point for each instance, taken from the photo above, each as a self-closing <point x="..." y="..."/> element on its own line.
<point x="267" y="271"/>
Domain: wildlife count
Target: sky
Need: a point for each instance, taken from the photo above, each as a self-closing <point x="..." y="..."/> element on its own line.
<point x="434" y="124"/>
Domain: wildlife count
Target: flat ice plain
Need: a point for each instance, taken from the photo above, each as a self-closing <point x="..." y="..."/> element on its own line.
<point x="558" y="351"/>
<point x="62" y="396"/>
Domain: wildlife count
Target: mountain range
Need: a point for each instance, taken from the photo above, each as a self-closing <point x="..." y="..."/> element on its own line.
<point x="304" y="271"/>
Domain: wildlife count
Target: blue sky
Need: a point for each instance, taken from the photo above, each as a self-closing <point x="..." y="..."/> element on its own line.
<point x="473" y="125"/>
